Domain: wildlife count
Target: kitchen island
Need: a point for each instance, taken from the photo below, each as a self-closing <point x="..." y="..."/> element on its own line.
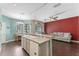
<point x="37" y="45"/>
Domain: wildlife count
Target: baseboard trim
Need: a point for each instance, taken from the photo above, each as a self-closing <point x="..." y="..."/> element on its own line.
<point x="74" y="41"/>
<point x="9" y="41"/>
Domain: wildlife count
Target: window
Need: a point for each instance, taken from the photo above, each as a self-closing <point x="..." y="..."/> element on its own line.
<point x="19" y="28"/>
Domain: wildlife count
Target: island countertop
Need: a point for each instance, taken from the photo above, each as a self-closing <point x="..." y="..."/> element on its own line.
<point x="38" y="38"/>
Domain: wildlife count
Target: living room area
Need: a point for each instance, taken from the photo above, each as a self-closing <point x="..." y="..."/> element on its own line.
<point x="39" y="29"/>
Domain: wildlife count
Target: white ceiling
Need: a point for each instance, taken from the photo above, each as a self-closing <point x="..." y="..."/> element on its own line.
<point x="21" y="9"/>
<point x="40" y="11"/>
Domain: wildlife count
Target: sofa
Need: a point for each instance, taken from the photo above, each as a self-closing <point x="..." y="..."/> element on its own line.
<point x="62" y="36"/>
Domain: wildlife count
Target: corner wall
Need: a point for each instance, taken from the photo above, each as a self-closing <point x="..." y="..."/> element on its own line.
<point x="10" y="27"/>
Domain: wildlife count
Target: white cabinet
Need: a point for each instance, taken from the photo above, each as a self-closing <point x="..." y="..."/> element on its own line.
<point x="34" y="49"/>
<point x="28" y="46"/>
<point x="37" y="46"/>
<point x="22" y="42"/>
<point x="39" y="49"/>
<point x="25" y="44"/>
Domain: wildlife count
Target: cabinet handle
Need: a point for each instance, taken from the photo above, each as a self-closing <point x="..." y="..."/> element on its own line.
<point x="34" y="53"/>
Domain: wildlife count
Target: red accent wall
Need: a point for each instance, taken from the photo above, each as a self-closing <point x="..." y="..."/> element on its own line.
<point x="64" y="25"/>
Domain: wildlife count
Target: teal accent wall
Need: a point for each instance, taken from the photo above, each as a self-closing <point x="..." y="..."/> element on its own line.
<point x="0" y="33"/>
<point x="10" y="27"/>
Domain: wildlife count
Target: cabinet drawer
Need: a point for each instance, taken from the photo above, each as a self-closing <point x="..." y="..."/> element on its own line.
<point x="34" y="49"/>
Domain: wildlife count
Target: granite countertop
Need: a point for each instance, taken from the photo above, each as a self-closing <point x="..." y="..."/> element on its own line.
<point x="38" y="38"/>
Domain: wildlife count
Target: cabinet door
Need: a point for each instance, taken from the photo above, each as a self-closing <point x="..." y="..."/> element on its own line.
<point x="25" y="43"/>
<point x="25" y="47"/>
<point x="22" y="42"/>
<point x="28" y="45"/>
<point x="34" y="49"/>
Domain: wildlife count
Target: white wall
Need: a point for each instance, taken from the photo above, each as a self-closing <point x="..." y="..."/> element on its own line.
<point x="0" y="30"/>
<point x="0" y="10"/>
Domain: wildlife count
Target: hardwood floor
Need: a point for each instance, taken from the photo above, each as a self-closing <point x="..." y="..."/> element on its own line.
<point x="59" y="49"/>
<point x="65" y="49"/>
<point x="12" y="49"/>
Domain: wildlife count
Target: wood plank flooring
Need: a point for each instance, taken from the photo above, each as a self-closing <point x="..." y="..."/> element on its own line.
<point x="59" y="49"/>
<point x="65" y="49"/>
<point x="12" y="49"/>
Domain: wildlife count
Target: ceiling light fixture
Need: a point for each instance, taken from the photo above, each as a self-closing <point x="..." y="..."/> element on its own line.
<point x="52" y="18"/>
